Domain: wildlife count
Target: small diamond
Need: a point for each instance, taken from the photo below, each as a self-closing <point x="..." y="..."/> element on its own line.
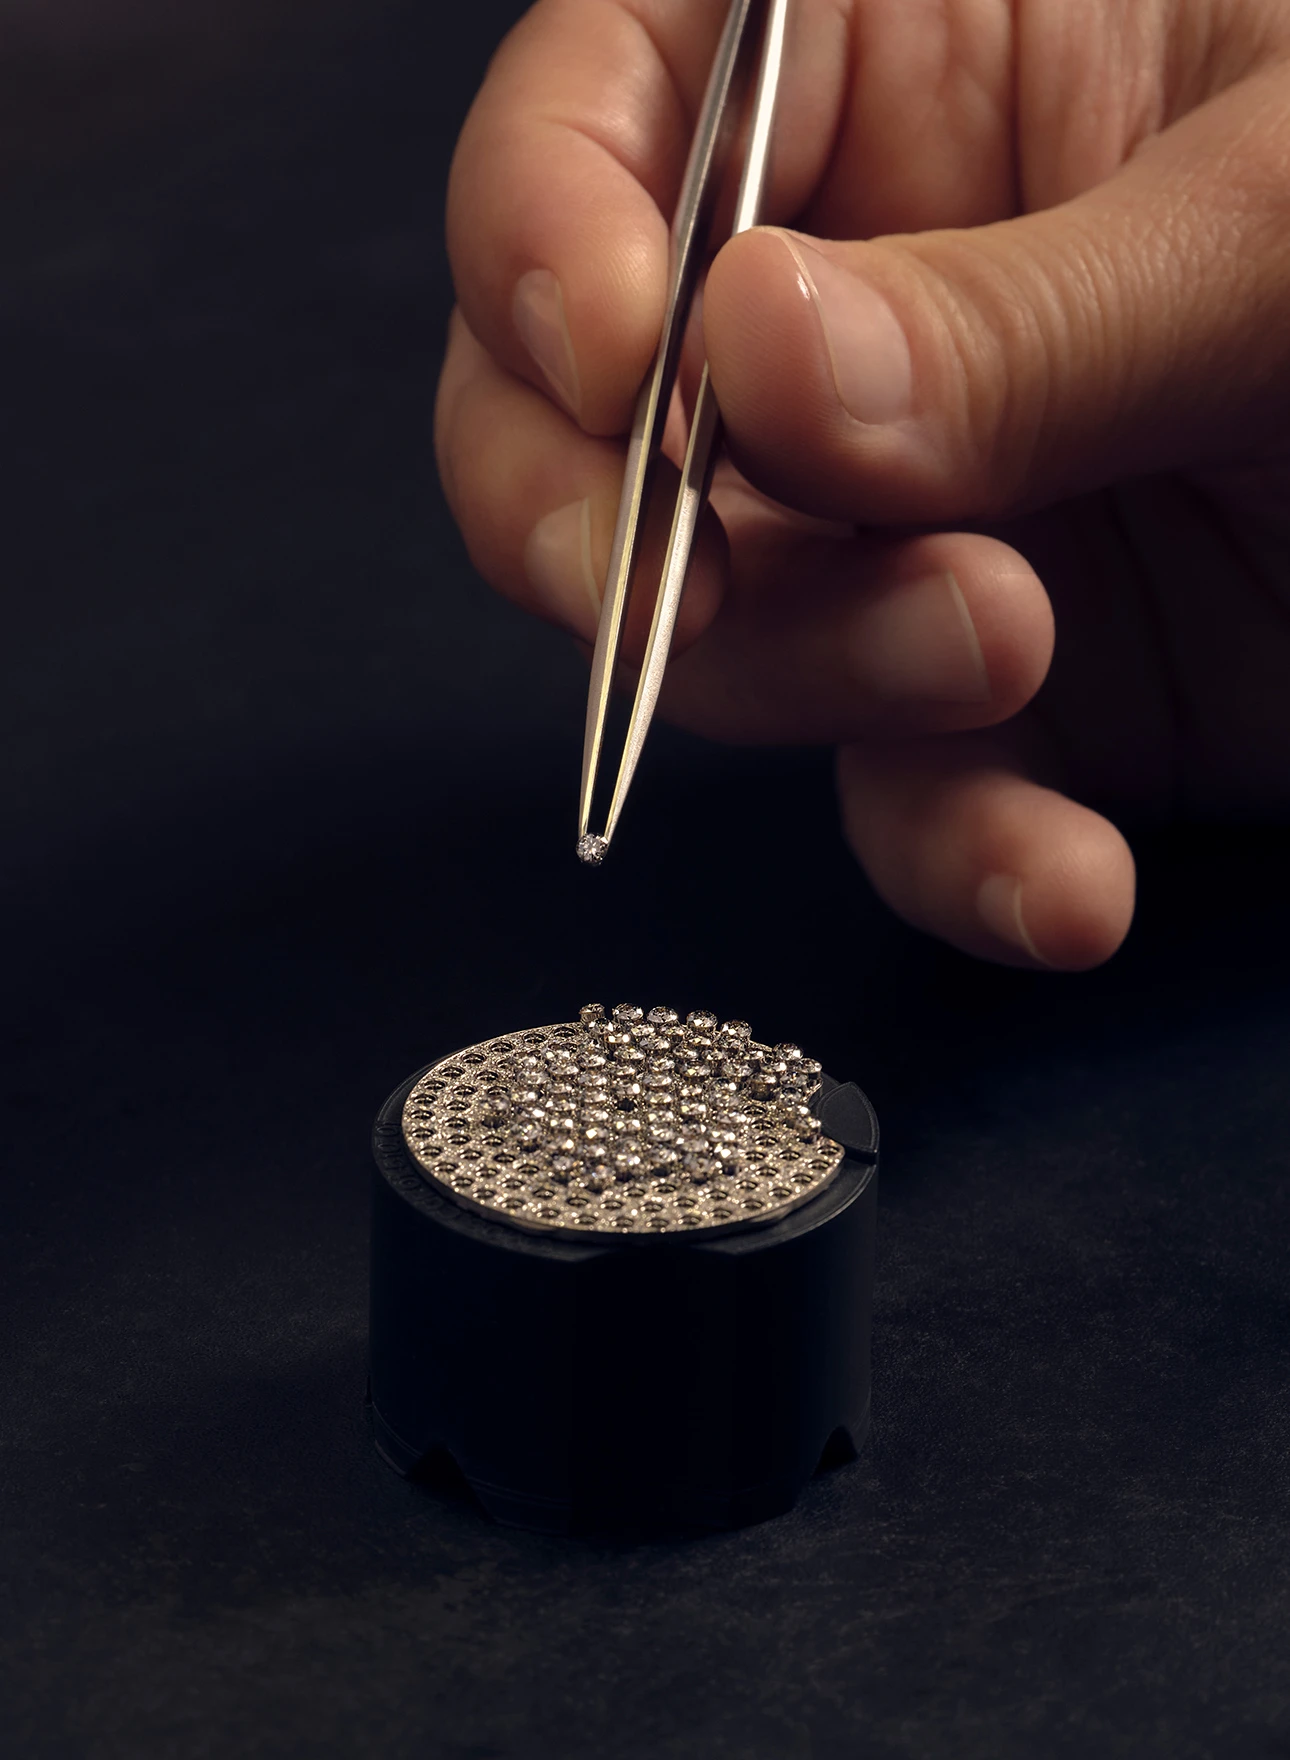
<point x="628" y="1163"/>
<point x="592" y="849"/>
<point x="700" y="1021"/>
<point x="493" y="1107"/>
<point x="592" y="1014"/>
<point x="626" y="1014"/>
<point x="662" y="1017"/>
<point x="802" y="1122"/>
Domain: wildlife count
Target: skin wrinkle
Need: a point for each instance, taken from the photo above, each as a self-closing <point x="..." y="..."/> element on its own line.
<point x="845" y="12"/>
<point x="661" y="182"/>
<point x="689" y="106"/>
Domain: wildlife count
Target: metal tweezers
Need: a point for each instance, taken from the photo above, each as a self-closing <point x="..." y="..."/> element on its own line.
<point x="690" y="229"/>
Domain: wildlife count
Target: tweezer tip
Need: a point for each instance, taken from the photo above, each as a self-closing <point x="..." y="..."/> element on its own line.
<point x="592" y="849"/>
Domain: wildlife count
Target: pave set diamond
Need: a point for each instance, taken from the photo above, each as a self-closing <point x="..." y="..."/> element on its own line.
<point x="633" y="1122"/>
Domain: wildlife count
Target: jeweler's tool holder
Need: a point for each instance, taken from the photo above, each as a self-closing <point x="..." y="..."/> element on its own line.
<point x="634" y="1383"/>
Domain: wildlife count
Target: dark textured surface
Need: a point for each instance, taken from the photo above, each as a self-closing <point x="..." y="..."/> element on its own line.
<point x="286" y="811"/>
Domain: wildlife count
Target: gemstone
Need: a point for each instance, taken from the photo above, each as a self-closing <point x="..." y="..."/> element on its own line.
<point x="592" y="849"/>
<point x="626" y="1014"/>
<point x="662" y="1017"/>
<point x="700" y="1021"/>
<point x="801" y="1121"/>
<point x="493" y="1107"/>
<point x="592" y="1014"/>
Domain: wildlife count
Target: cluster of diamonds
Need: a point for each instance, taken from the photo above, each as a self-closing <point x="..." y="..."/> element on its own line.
<point x="631" y="1122"/>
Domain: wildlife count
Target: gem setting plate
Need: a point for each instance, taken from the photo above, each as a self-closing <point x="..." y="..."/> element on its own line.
<point x="627" y="1123"/>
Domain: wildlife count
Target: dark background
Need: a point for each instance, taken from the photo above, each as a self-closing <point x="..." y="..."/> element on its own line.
<point x="287" y="804"/>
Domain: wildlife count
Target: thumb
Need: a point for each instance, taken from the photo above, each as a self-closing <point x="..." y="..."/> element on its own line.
<point x="968" y="374"/>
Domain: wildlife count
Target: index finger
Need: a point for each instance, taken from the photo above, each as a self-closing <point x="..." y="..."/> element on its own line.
<point x="567" y="170"/>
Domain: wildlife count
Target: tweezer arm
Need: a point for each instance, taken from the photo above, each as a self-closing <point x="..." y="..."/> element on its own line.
<point x="687" y="246"/>
<point x="705" y="430"/>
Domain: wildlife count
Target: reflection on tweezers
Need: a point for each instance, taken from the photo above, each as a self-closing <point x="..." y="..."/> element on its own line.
<point x="689" y="242"/>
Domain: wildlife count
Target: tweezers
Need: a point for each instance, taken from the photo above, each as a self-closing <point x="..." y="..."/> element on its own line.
<point x="700" y="186"/>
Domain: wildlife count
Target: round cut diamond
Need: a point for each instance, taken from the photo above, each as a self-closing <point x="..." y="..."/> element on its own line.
<point x="592" y="849"/>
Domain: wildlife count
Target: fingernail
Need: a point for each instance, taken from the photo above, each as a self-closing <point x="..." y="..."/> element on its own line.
<point x="538" y="311"/>
<point x="873" y="374"/>
<point x="557" y="560"/>
<point x="998" y="904"/>
<point x="918" y="643"/>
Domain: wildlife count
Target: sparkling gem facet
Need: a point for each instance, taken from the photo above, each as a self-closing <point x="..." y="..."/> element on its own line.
<point x="592" y="849"/>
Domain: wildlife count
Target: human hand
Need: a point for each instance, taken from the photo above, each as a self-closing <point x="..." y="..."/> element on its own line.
<point x="1061" y="355"/>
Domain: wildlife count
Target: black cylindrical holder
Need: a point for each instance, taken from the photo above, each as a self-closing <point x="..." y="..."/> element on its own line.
<point x="639" y="1383"/>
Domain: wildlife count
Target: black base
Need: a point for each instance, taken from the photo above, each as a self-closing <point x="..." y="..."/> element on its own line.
<point x="648" y="1383"/>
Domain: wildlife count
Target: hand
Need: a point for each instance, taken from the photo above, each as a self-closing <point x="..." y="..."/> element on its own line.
<point x="1060" y="355"/>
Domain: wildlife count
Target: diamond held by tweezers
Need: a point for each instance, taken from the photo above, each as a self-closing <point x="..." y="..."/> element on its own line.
<point x="592" y="849"/>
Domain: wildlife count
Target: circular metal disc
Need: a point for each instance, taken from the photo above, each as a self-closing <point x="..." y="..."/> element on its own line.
<point x="633" y="1124"/>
